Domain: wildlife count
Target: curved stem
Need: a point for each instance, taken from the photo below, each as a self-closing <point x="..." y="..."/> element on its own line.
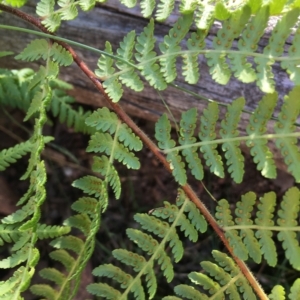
<point x="153" y="148"/>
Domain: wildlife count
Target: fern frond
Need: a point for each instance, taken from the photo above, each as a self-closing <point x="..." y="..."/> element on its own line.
<point x="224" y="218"/>
<point x="162" y="135"/>
<point x="286" y="119"/>
<point x="204" y="14"/>
<point x="103" y="166"/>
<point x="164" y="9"/>
<point x="287" y="217"/>
<point x="130" y="78"/>
<point x="103" y="290"/>
<point x="105" y="120"/>
<point x="190" y="66"/>
<point x="41" y="48"/>
<point x="10" y="155"/>
<point x="68" y="9"/>
<point x="242" y="69"/>
<point x="257" y="126"/>
<point x="187" y="127"/>
<point x="85" y="205"/>
<point x="241" y="233"/>
<point x="170" y="46"/>
<point x="264" y="218"/>
<point x="189" y="223"/>
<point x="91" y="185"/>
<point x="277" y="293"/>
<point x="207" y="133"/>
<point x="112" y="85"/>
<point x="145" y="55"/>
<point x="295" y="289"/>
<point x="233" y="154"/>
<point x="274" y="48"/>
<point x="45" y="9"/>
<point x="45" y="231"/>
<point x="147" y="7"/>
<point x="231" y="29"/>
<point x="103" y="142"/>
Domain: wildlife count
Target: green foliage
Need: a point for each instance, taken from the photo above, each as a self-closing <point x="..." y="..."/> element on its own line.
<point x="250" y="228"/>
<point x="254" y="237"/>
<point x="154" y="248"/>
<point x="256" y="139"/>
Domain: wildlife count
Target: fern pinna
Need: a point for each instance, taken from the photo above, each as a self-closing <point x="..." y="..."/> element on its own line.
<point x="183" y="215"/>
<point x="256" y="140"/>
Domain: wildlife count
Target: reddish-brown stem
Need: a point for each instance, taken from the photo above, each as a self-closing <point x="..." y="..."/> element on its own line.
<point x="153" y="148"/>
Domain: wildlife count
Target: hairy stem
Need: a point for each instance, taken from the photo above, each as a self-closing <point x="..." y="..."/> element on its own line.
<point x="148" y="142"/>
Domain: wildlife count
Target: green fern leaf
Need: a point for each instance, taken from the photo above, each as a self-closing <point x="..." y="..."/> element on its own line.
<point x="68" y="242"/>
<point x="6" y="53"/>
<point x="264" y="216"/>
<point x="145" y="55"/>
<point x="21" y="214"/>
<point x="103" y="166"/>
<point x="287" y="217"/>
<point x="87" y="5"/>
<point x="243" y="212"/>
<point x="295" y="290"/>
<point x="208" y="133"/>
<point x="221" y="11"/>
<point x="38" y="48"/>
<point x="163" y="230"/>
<point x="103" y="142"/>
<point x="138" y="263"/>
<point x="222" y="277"/>
<point x="106" y="70"/>
<point x="129" y="3"/>
<point x="190" y="66"/>
<point x="17" y="257"/>
<point x="8" y="234"/>
<point x="61" y="55"/>
<point x="44" y="290"/>
<point x="189" y="292"/>
<point x="231" y="29"/>
<point x="263" y="157"/>
<point x="292" y="65"/>
<point x="7" y="287"/>
<point x="103" y="290"/>
<point x="207" y="283"/>
<point x="53" y="275"/>
<point x="171" y="298"/>
<point x="90" y="185"/>
<point x="229" y="266"/>
<point x="286" y="119"/>
<point x="277" y="293"/>
<point x="68" y="9"/>
<point x="45" y="9"/>
<point x="275" y="48"/>
<point x="204" y="14"/>
<point x="147" y="7"/>
<point x="194" y="215"/>
<point x="188" y="6"/>
<point x="10" y="155"/>
<point x="187" y="127"/>
<point x="105" y="120"/>
<point x="110" y="271"/>
<point x="128" y="75"/>
<point x="171" y="212"/>
<point x="224" y="219"/>
<point x="85" y="205"/>
<point x="233" y="154"/>
<point x="24" y="238"/>
<point x="64" y="258"/>
<point x="45" y="231"/>
<point x="81" y="222"/>
<point x="170" y="46"/>
<point x="151" y="246"/>
<point x="162" y="135"/>
<point x="164" y="9"/>
<point x="248" y="42"/>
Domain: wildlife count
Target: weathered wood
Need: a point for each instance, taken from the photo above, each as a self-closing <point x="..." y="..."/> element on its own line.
<point x="111" y="22"/>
